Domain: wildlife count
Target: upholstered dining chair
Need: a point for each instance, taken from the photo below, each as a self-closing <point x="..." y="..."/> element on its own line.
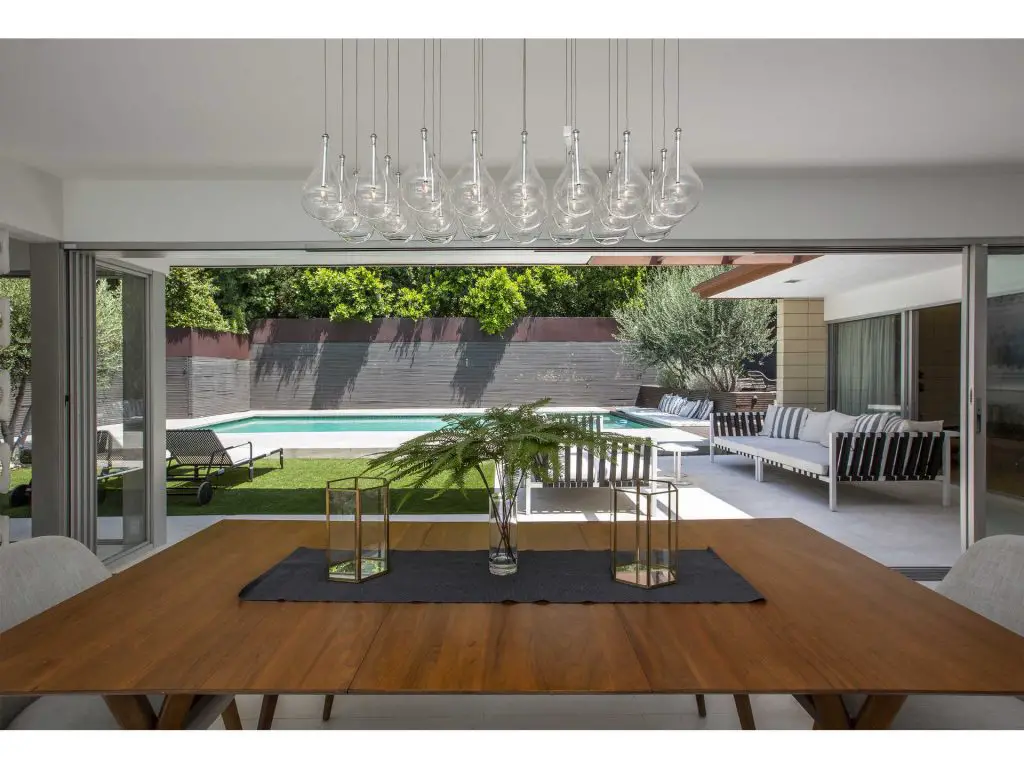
<point x="988" y="579"/>
<point x="36" y="575"/>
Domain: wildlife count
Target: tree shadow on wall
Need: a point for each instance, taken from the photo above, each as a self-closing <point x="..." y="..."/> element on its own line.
<point x="478" y="357"/>
<point x="320" y="374"/>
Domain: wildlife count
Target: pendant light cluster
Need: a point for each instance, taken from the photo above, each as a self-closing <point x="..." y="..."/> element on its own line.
<point x="355" y="202"/>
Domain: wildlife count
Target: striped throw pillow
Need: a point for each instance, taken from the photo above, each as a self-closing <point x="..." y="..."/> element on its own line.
<point x="704" y="411"/>
<point x="788" y="421"/>
<point x="681" y="405"/>
<point x="663" y="403"/>
<point x="688" y="410"/>
<point x="877" y="422"/>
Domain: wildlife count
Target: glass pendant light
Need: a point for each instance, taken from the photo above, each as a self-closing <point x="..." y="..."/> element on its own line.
<point x="566" y="230"/>
<point x="605" y="229"/>
<point x="321" y="192"/>
<point x="473" y="190"/>
<point x="423" y="184"/>
<point x="399" y="225"/>
<point x="522" y="194"/>
<point x="627" y="188"/>
<point x="375" y="193"/>
<point x="652" y="226"/>
<point x="577" y="189"/>
<point x="348" y="218"/>
<point x="679" y="188"/>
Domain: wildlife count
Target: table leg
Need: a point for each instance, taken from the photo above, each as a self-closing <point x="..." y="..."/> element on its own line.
<point x="830" y="713"/>
<point x="328" y="704"/>
<point x="232" y="720"/>
<point x="174" y="712"/>
<point x="267" y="712"/>
<point x="702" y="709"/>
<point x="744" y="710"/>
<point x="878" y="712"/>
<point x="131" y="712"/>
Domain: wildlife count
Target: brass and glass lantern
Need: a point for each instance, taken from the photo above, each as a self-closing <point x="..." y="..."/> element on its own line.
<point x="357" y="528"/>
<point x="645" y="533"/>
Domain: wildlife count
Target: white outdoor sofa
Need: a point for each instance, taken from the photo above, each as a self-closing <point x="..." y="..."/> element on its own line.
<point x="848" y="457"/>
<point x="674" y="411"/>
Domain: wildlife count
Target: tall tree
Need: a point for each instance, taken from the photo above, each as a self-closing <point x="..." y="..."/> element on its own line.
<point x="190" y="301"/>
<point x="694" y="342"/>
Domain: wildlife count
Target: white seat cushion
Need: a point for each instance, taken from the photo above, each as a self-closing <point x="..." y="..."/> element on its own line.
<point x="954" y="712"/>
<point x="663" y="419"/>
<point x="799" y="454"/>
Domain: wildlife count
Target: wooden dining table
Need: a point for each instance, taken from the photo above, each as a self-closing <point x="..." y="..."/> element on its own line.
<point x="833" y="622"/>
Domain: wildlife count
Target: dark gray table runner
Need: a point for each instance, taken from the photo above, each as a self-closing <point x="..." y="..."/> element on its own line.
<point x="439" y="576"/>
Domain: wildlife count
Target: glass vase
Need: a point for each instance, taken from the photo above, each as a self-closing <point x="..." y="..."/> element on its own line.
<point x="503" y="547"/>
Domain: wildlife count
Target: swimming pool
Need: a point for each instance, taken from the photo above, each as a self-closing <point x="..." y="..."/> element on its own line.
<point x="380" y="423"/>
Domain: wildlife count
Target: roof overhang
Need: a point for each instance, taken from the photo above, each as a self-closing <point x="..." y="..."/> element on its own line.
<point x="755" y="267"/>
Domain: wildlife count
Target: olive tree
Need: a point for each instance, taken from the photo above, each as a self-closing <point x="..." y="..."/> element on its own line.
<point x="694" y="342"/>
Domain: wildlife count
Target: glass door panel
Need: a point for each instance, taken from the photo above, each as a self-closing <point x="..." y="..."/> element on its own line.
<point x="121" y="428"/>
<point x="1004" y="401"/>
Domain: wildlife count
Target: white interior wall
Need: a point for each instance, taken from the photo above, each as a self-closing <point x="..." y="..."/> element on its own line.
<point x="31" y="202"/>
<point x="759" y="206"/>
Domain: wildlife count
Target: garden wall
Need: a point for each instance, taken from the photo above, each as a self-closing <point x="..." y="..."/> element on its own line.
<point x="439" y="362"/>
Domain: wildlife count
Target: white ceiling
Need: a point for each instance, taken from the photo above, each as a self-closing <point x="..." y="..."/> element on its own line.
<point x="253" y="109"/>
<point x="838" y="272"/>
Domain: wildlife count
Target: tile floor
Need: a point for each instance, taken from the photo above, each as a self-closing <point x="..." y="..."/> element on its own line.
<point x="597" y="712"/>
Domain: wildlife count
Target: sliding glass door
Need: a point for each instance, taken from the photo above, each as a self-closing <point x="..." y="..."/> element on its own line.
<point x="121" y="412"/>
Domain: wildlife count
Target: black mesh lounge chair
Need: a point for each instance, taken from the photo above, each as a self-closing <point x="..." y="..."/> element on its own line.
<point x="196" y="456"/>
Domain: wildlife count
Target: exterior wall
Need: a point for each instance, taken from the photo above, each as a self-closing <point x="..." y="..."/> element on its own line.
<point x="317" y="364"/>
<point x="207" y="373"/>
<point x="802" y="353"/>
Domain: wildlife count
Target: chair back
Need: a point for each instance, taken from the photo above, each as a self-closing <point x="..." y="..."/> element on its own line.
<point x="36" y="574"/>
<point x="591" y="421"/>
<point x="197" y="447"/>
<point x="989" y="579"/>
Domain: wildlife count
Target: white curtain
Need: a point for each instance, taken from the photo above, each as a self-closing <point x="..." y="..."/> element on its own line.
<point x="866" y="364"/>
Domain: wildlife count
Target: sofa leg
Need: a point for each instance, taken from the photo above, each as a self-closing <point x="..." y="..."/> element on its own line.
<point x="832" y="493"/>
<point x="758" y="470"/>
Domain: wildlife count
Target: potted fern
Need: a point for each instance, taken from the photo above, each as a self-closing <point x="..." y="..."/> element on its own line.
<point x="515" y="441"/>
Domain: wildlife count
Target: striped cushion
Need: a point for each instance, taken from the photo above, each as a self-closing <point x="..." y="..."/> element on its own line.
<point x="688" y="410"/>
<point x="663" y="403"/>
<point x="788" y="421"/>
<point x="877" y="422"/>
<point x="680" y="405"/>
<point x="705" y="410"/>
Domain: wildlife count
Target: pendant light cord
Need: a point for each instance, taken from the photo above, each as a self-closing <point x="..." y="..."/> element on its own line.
<point x="387" y="94"/>
<point x="357" y="103"/>
<point x="664" y="128"/>
<point x="398" y="105"/>
<point x="524" y="84"/>
<point x="482" y="75"/>
<point x="423" y="49"/>
<point x="342" y="99"/>
<point x="627" y="85"/>
<point x="609" y="136"/>
<point x="652" y="103"/>
<point x="440" y="100"/>
<point x="325" y="86"/>
<point x="679" y="81"/>
<point x="375" y="85"/>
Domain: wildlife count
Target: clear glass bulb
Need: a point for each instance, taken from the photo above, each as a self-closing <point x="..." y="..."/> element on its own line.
<point x="424" y="186"/>
<point x="652" y="226"/>
<point x="349" y="217"/>
<point x="679" y="187"/>
<point x="399" y="225"/>
<point x="375" y="192"/>
<point x="482" y="228"/>
<point x="628" y="188"/>
<point x="522" y="236"/>
<point x="321" y="192"/>
<point x="566" y="230"/>
<point x="522" y="194"/>
<point x="577" y="189"/>
<point x="605" y="229"/>
<point x="439" y="227"/>
<point x="473" y="191"/>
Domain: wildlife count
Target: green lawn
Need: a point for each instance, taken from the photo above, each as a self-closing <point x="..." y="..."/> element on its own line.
<point x="298" y="489"/>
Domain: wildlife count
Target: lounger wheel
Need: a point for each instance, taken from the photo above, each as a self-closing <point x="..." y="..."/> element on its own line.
<point x="204" y="493"/>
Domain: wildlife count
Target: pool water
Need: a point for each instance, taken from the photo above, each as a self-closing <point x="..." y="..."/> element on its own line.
<point x="366" y="424"/>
